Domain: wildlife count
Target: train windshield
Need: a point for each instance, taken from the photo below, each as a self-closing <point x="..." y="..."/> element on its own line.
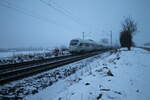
<point x="74" y="42"/>
<point x="84" y="44"/>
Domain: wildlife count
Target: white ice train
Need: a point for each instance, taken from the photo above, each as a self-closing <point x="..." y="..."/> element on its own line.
<point x="83" y="46"/>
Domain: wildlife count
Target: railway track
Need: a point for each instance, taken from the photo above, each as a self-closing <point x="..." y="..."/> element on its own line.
<point x="17" y="71"/>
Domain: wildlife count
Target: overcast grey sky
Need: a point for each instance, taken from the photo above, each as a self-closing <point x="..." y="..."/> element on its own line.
<point x="25" y="23"/>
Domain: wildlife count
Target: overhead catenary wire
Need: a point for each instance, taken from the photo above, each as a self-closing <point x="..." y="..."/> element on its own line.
<point x="63" y="11"/>
<point x="70" y="14"/>
<point x="67" y="11"/>
<point x="35" y="15"/>
<point x="26" y="12"/>
<point x="57" y="9"/>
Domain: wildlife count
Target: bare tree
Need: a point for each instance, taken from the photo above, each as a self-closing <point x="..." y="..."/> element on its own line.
<point x="129" y="27"/>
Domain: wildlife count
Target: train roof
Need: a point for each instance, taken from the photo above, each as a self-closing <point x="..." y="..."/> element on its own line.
<point x="85" y="41"/>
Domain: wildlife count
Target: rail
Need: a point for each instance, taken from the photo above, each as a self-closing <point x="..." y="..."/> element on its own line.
<point x="13" y="72"/>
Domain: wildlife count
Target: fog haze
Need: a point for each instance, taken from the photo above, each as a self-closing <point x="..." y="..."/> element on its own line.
<point x="26" y="23"/>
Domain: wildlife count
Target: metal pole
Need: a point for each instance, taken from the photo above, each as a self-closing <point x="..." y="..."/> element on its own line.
<point x="83" y="35"/>
<point x="111" y="37"/>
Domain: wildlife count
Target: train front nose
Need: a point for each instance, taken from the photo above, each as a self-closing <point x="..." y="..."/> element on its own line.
<point x="73" y="46"/>
<point x="72" y="49"/>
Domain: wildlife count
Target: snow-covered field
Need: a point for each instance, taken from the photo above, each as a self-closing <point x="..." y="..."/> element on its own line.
<point x="31" y="85"/>
<point x="23" y="56"/>
<point x="20" y="56"/>
<point x="122" y="76"/>
<point x="14" y="53"/>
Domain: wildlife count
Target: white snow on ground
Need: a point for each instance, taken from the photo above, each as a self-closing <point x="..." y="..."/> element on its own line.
<point x="148" y="46"/>
<point x="122" y="76"/>
<point x="13" y="57"/>
<point x="34" y="84"/>
<point x="13" y="53"/>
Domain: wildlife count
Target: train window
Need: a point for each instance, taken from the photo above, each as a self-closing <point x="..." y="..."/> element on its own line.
<point x="81" y="44"/>
<point x="87" y="45"/>
<point x="84" y="44"/>
<point x="74" y="42"/>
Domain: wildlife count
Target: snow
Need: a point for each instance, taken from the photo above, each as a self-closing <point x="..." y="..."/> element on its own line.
<point x="13" y="53"/>
<point x="147" y="46"/>
<point x="12" y="57"/>
<point x="123" y="75"/>
<point x="23" y="56"/>
<point x="31" y="85"/>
